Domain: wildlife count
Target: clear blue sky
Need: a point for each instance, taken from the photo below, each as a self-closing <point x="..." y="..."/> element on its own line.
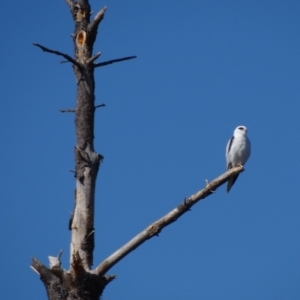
<point x="203" y="68"/>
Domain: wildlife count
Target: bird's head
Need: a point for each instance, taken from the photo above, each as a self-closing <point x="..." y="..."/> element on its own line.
<point x="240" y="130"/>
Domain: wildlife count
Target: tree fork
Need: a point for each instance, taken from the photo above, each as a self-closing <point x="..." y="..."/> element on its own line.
<point x="80" y="282"/>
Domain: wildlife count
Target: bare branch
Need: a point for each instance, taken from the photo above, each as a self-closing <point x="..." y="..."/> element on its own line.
<point x="109" y="62"/>
<point x="93" y="58"/>
<point x="72" y="110"/>
<point x="66" y="56"/>
<point x="100" y="105"/>
<point x="97" y="19"/>
<point x="155" y="228"/>
<point x="42" y="270"/>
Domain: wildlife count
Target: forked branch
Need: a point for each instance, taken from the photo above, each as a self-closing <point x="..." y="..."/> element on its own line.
<point x="66" y="56"/>
<point x="155" y="228"/>
<point x="109" y="62"/>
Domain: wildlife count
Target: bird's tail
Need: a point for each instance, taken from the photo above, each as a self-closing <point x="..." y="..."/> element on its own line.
<point x="231" y="182"/>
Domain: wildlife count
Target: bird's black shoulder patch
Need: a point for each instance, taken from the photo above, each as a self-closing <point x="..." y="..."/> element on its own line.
<point x="230" y="144"/>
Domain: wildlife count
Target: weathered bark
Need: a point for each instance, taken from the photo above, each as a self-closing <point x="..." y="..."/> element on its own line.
<point x="79" y="282"/>
<point x="61" y="284"/>
<point x="87" y="160"/>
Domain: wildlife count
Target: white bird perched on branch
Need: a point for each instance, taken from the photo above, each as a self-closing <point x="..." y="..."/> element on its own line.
<point x="238" y="151"/>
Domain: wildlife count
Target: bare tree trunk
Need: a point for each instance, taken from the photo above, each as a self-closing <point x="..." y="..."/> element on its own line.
<point x="80" y="281"/>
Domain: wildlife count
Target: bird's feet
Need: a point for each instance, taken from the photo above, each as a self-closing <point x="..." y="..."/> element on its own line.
<point x="207" y="184"/>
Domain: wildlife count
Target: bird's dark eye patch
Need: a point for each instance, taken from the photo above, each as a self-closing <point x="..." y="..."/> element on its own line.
<point x="241" y="128"/>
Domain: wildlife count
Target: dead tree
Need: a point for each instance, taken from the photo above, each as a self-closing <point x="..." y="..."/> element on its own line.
<point x="80" y="281"/>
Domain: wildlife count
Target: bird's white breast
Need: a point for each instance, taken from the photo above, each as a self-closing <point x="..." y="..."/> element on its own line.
<point x="240" y="150"/>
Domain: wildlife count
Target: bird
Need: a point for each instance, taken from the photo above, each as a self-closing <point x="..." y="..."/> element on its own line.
<point x="238" y="151"/>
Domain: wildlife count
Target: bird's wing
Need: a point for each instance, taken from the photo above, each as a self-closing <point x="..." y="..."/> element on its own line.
<point x="228" y="156"/>
<point x="229" y="161"/>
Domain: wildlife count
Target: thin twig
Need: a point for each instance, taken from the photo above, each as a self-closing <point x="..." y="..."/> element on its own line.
<point x="109" y="62"/>
<point x="93" y="58"/>
<point x="70" y="3"/>
<point x="67" y="110"/>
<point x="100" y="105"/>
<point x="60" y="253"/>
<point x="155" y="228"/>
<point x="66" y="56"/>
